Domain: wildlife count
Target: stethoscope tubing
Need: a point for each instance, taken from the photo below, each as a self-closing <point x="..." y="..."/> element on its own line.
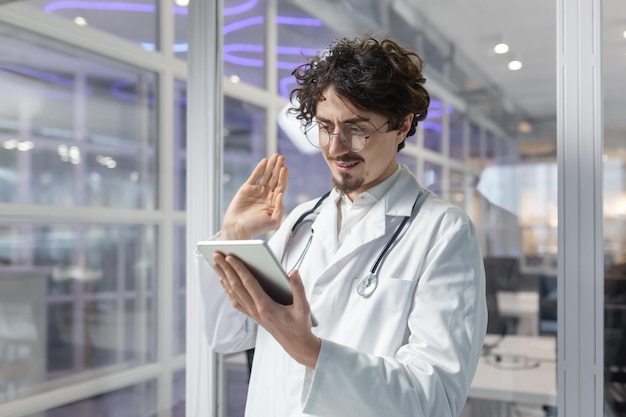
<point x="372" y="277"/>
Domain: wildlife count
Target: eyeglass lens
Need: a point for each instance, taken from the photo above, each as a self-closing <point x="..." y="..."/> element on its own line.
<point x="351" y="135"/>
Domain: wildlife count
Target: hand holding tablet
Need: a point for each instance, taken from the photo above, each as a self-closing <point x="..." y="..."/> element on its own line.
<point x="261" y="262"/>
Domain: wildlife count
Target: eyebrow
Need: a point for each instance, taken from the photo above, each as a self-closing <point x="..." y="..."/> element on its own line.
<point x="352" y="120"/>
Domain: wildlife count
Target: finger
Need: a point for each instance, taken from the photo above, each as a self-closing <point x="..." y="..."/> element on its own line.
<point x="265" y="176"/>
<point x="277" y="168"/>
<point x="282" y="179"/>
<point x="254" y="177"/>
<point x="237" y="290"/>
<point x="300" y="301"/>
<point x="279" y="208"/>
<point x="255" y="295"/>
<point x="234" y="300"/>
<point x="232" y="296"/>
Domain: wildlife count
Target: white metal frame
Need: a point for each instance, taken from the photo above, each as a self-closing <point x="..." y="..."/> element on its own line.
<point x="204" y="190"/>
<point x="580" y="259"/>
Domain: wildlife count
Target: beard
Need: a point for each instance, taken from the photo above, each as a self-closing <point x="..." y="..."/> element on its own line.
<point x="347" y="184"/>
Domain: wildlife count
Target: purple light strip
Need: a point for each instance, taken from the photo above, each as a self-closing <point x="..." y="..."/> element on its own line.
<point x="299" y="21"/>
<point x="99" y="5"/>
<point x="242" y="47"/>
<point x="134" y="7"/>
<point x="244" y="7"/>
<point x="257" y="20"/>
<point x="429" y="125"/>
<point x="44" y="76"/>
<point x="230" y="49"/>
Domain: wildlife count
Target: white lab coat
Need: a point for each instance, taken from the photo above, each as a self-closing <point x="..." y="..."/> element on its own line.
<point x="410" y="349"/>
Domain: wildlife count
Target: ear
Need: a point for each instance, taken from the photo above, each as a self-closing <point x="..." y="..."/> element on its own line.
<point x="404" y="128"/>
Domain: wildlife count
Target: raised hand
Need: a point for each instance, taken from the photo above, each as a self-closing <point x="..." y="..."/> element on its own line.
<point x="258" y="205"/>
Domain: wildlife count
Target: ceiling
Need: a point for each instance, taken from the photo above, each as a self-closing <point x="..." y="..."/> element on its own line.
<point x="529" y="27"/>
<point x="470" y="29"/>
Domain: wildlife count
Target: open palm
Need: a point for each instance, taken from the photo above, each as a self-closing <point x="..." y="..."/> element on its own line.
<point x="258" y="204"/>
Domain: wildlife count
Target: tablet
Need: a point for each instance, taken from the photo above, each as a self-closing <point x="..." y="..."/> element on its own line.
<point x="259" y="259"/>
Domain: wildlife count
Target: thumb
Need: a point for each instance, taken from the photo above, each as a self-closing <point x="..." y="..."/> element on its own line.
<point x="297" y="288"/>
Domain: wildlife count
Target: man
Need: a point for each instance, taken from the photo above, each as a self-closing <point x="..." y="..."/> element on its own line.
<point x="392" y="273"/>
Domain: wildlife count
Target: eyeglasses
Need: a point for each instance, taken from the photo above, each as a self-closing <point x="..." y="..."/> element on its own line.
<point x="352" y="136"/>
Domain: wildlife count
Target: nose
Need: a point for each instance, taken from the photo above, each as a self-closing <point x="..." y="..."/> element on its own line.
<point x="337" y="147"/>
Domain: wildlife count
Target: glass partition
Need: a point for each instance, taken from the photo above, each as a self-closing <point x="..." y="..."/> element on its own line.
<point x="614" y="201"/>
<point x="76" y="130"/>
<point x="76" y="299"/>
<point x="114" y="17"/>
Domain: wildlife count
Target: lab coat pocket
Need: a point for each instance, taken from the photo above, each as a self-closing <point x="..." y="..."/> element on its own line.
<point x="385" y="311"/>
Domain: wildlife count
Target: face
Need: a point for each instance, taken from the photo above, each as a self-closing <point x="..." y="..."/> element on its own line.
<point x="355" y="172"/>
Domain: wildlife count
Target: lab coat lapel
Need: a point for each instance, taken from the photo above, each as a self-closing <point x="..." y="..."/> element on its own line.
<point x="381" y="220"/>
<point x="325" y="226"/>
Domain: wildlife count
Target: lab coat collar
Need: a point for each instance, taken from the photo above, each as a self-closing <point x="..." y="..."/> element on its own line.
<point x="396" y="202"/>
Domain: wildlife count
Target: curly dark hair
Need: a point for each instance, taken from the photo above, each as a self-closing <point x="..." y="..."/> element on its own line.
<point x="378" y="76"/>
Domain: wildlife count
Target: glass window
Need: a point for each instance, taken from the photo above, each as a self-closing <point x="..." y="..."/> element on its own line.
<point x="409" y="160"/>
<point x="300" y="36"/>
<point x="614" y="206"/>
<point x="433" y="126"/>
<point x="77" y="130"/>
<point x="178" y="400"/>
<point x="181" y="29"/>
<point x="180" y="145"/>
<point x="491" y="145"/>
<point x="459" y="188"/>
<point x="134" y="21"/>
<point x="434" y="55"/>
<point x="245" y="41"/>
<point x="475" y="146"/>
<point x="433" y="174"/>
<point x="79" y="297"/>
<point x="458" y="122"/>
<point x="244" y="143"/>
<point x="133" y="401"/>
<point x="309" y="175"/>
<point x="180" y="286"/>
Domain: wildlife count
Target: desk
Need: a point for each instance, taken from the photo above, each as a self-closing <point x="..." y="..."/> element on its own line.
<point x="523" y="305"/>
<point x="536" y="385"/>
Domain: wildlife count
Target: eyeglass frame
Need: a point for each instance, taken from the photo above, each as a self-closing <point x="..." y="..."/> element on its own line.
<point x="343" y="140"/>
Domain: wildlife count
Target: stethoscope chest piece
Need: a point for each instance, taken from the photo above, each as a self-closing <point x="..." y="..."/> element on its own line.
<point x="367" y="285"/>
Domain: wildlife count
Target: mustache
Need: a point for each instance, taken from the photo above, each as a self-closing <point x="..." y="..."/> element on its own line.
<point x="347" y="158"/>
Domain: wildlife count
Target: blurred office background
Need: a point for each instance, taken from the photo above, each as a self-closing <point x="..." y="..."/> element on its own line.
<point x="93" y="174"/>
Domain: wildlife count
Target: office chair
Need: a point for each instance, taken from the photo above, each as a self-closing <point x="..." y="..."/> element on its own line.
<point x="498" y="271"/>
<point x="547" y="305"/>
<point x="615" y="380"/>
<point x="496" y="324"/>
<point x="615" y="336"/>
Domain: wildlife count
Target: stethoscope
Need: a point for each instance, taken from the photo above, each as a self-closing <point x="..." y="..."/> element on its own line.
<point x="369" y="283"/>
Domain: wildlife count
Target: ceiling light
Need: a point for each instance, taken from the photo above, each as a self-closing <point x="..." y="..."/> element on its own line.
<point x="515" y="65"/>
<point x="624" y="33"/>
<point x="501" y="48"/>
<point x="10" y="144"/>
<point x="80" y="21"/>
<point x="181" y="3"/>
<point x="27" y="145"/>
<point x="524" y="127"/>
